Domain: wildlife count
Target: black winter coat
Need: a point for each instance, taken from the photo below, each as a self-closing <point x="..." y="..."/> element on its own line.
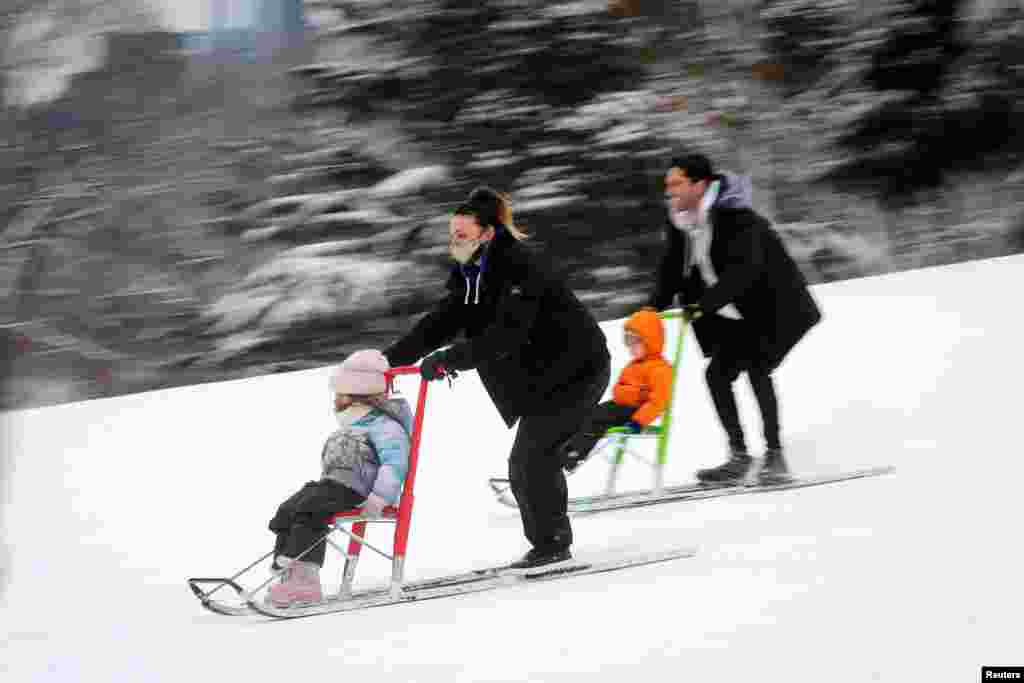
<point x="755" y="273"/>
<point x="534" y="345"/>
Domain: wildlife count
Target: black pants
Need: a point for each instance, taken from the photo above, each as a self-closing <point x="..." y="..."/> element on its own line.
<point x="535" y="468"/>
<point x="725" y="367"/>
<point x="604" y="416"/>
<point x="302" y="519"/>
<point x="8" y="350"/>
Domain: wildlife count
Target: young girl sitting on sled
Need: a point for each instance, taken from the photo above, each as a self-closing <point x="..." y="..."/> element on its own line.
<point x="363" y="464"/>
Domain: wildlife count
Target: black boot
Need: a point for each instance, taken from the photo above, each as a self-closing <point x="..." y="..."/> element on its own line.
<point x="774" y="470"/>
<point x="539" y="557"/>
<point x="732" y="472"/>
<point x="571" y="460"/>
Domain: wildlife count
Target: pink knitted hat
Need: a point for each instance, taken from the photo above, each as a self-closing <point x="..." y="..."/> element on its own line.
<point x="361" y="374"/>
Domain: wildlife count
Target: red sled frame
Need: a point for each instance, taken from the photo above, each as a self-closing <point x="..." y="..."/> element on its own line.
<point x="400" y="516"/>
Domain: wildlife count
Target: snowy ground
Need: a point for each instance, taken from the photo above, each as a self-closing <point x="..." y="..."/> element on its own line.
<point x="913" y="576"/>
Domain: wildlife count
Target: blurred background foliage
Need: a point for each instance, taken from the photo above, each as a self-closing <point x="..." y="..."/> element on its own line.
<point x="186" y="207"/>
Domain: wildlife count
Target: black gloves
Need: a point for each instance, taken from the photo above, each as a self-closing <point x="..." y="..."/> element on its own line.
<point x="434" y="366"/>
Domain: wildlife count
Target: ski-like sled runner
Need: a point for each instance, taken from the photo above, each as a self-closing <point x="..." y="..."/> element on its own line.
<point x="686" y="492"/>
<point x="229" y="596"/>
<point x="474" y="581"/>
<point x="621" y="441"/>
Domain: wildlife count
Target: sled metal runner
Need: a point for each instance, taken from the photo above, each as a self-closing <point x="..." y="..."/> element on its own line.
<point x="417" y="591"/>
<point x="674" y="494"/>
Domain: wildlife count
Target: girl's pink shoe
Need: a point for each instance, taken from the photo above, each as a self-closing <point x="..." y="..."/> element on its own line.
<point x="300" y="586"/>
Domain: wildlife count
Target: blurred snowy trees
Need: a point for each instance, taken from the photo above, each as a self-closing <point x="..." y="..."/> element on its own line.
<point x="174" y="215"/>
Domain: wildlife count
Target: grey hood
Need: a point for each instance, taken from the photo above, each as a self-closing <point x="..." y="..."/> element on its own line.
<point x="399" y="408"/>
<point x="737" y="193"/>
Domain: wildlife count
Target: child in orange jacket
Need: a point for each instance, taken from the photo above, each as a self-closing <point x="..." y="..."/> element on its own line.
<point x="640" y="395"/>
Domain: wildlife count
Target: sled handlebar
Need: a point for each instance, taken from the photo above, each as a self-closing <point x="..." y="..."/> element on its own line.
<point x="406" y="501"/>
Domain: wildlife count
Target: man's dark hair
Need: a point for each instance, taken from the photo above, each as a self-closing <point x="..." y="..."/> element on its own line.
<point x="696" y="167"/>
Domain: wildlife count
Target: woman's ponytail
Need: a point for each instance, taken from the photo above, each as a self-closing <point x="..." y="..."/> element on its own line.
<point x="505" y="215"/>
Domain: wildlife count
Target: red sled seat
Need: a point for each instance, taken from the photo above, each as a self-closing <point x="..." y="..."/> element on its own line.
<point x="389" y="512"/>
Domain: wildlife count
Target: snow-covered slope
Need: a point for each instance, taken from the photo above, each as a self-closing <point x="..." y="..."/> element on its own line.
<point x="914" y="576"/>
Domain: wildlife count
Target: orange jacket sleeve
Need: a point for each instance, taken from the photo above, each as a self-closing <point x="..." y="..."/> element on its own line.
<point x="627" y="390"/>
<point x="660" y="383"/>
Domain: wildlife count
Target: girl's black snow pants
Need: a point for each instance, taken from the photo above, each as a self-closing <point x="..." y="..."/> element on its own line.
<point x="301" y="520"/>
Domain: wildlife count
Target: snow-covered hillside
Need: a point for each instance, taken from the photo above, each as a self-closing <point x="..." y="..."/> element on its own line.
<point x="913" y="576"/>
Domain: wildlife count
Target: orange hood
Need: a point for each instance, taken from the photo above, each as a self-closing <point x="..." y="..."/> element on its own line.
<point x="647" y="325"/>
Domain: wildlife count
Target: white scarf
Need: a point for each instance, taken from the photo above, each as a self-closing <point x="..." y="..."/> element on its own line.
<point x="696" y="226"/>
<point x="351" y="414"/>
